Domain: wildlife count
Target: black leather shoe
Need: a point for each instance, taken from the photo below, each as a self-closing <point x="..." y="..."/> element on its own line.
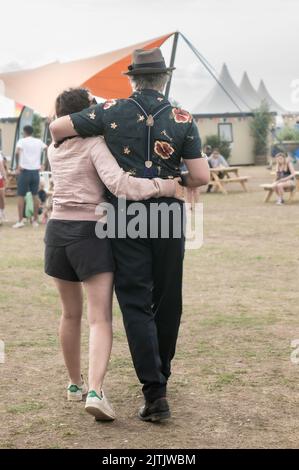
<point x="156" y="411"/>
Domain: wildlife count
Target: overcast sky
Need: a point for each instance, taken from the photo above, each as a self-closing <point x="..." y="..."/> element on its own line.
<point x="260" y="36"/>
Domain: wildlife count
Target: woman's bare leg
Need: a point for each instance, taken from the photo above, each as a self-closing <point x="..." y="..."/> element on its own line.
<point x="280" y="187"/>
<point x="99" y="303"/>
<point x="279" y="190"/>
<point x="70" y="326"/>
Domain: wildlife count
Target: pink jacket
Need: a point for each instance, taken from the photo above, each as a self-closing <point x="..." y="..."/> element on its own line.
<point x="81" y="168"/>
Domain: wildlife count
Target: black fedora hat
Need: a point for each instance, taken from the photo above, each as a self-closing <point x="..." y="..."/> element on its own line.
<point x="147" y="61"/>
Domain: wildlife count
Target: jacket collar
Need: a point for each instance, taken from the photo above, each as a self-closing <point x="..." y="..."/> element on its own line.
<point x="148" y="92"/>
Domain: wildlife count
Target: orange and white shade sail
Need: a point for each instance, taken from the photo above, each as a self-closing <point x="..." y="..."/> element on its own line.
<point x="37" y="88"/>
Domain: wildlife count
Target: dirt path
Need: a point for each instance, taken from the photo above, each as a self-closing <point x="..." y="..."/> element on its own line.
<point x="233" y="382"/>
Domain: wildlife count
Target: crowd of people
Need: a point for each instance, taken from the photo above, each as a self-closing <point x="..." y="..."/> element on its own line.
<point x="35" y="202"/>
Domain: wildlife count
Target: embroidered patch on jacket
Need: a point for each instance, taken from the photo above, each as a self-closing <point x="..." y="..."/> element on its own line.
<point x="163" y="149"/>
<point x="140" y="117"/>
<point x="127" y="151"/>
<point x="92" y="115"/>
<point x="181" y="116"/>
<point x="109" y="103"/>
<point x="113" y="125"/>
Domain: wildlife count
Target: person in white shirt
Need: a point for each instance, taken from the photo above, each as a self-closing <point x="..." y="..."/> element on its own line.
<point x="2" y="187"/>
<point x="28" y="157"/>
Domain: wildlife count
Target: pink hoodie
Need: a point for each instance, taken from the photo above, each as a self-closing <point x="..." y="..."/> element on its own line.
<point x="81" y="168"/>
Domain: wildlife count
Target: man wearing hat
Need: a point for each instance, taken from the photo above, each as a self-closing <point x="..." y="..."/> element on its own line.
<point x="148" y="137"/>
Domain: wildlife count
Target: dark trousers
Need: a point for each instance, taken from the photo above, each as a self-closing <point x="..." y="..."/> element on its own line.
<point x="148" y="285"/>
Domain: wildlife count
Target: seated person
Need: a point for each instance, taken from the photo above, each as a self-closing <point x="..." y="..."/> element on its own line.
<point x="216" y="160"/>
<point x="208" y="150"/>
<point x="285" y="176"/>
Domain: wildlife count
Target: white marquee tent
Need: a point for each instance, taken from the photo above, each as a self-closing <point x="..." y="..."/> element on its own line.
<point x="249" y="94"/>
<point x="265" y="96"/>
<point x="218" y="101"/>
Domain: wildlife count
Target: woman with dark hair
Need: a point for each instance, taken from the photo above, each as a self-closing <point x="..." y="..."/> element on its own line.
<point x="81" y="168"/>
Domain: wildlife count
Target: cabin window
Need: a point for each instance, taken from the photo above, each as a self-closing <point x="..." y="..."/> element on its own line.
<point x="225" y="131"/>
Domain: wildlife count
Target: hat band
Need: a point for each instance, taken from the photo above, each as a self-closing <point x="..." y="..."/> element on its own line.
<point x="154" y="65"/>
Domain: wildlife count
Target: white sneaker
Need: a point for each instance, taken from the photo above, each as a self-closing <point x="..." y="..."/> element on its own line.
<point x="77" y="392"/>
<point x="99" y="406"/>
<point x="18" y="225"/>
<point x="35" y="224"/>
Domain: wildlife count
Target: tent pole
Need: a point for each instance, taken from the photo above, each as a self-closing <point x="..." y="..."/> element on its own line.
<point x="25" y="118"/>
<point x="47" y="140"/>
<point x="205" y="64"/>
<point x="16" y="137"/>
<point x="172" y="59"/>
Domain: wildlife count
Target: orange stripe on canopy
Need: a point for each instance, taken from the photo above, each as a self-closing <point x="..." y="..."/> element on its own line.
<point x="110" y="83"/>
<point x="38" y="88"/>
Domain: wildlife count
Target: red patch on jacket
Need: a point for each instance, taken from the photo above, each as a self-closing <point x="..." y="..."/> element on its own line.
<point x="163" y="149"/>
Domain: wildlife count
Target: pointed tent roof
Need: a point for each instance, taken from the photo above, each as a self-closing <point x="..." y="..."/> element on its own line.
<point x="265" y="96"/>
<point x="251" y="97"/>
<point x="37" y="88"/>
<point x="218" y="102"/>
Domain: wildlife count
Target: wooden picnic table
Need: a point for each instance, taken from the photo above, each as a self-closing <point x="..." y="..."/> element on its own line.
<point x="268" y="187"/>
<point x="221" y="176"/>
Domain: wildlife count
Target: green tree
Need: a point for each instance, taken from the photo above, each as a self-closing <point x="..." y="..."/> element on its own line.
<point x="37" y="125"/>
<point x="288" y="133"/>
<point x="215" y="142"/>
<point x="260" y="127"/>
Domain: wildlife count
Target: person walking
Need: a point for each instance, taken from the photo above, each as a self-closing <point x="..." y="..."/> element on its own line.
<point x="75" y="257"/>
<point x="28" y="158"/>
<point x="148" y="137"/>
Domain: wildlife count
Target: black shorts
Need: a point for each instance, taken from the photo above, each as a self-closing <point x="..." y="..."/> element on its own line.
<point x="28" y="180"/>
<point x="80" y="260"/>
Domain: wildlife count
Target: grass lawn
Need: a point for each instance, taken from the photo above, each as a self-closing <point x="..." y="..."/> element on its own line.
<point x="233" y="382"/>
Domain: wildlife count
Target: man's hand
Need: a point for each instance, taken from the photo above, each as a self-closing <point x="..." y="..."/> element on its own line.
<point x="18" y="170"/>
<point x="179" y="189"/>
